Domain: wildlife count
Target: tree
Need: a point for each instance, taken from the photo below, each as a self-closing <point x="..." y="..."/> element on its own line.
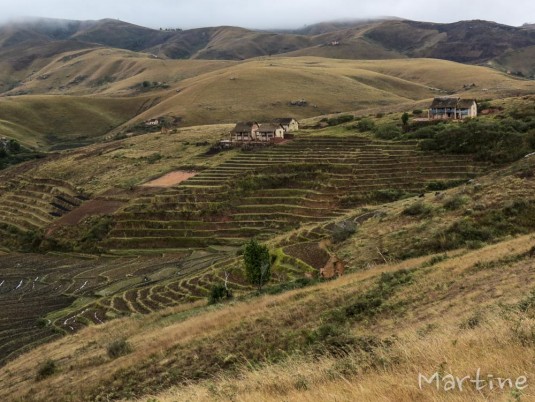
<point x="405" y="118"/>
<point x="13" y="146"/>
<point x="257" y="263"/>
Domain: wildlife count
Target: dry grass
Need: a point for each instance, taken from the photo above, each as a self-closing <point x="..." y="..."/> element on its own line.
<point x="135" y="160"/>
<point x="43" y="122"/>
<point x="426" y="332"/>
<point x="206" y="92"/>
<point x="444" y="348"/>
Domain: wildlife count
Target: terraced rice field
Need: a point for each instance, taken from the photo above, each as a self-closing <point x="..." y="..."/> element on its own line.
<point x="212" y="209"/>
<point x="45" y="296"/>
<point x="31" y="203"/>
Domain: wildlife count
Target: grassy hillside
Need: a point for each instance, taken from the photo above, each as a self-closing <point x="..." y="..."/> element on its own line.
<point x="55" y="122"/>
<point x="437" y="267"/>
<point x="519" y="62"/>
<point x="239" y="92"/>
<point x="127" y="88"/>
<point x="110" y="72"/>
<point x="381" y="325"/>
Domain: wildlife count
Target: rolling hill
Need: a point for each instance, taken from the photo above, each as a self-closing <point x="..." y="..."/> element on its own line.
<point x="195" y="92"/>
<point x="56" y="122"/>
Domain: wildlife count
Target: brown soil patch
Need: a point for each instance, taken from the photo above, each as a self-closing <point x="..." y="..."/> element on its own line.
<point x="89" y="208"/>
<point x="170" y="179"/>
<point x="310" y="253"/>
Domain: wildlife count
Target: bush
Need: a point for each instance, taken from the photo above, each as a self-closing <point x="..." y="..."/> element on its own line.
<point x="343" y="231"/>
<point x="455" y="202"/>
<point x="119" y="348"/>
<point x="13" y="146"/>
<point x="499" y="142"/>
<point x="334" y="121"/>
<point x="46" y="369"/>
<point x="365" y="125"/>
<point x="218" y="293"/>
<point x="417" y="209"/>
<point x="373" y="302"/>
<point x="405" y="118"/>
<point x="387" y="131"/>
<point x="444" y="185"/>
<point x="417" y="112"/>
<point x="151" y="159"/>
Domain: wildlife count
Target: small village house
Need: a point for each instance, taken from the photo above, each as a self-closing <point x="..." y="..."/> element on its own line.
<point x="152" y="122"/>
<point x="270" y="132"/>
<point x="288" y="123"/>
<point x="452" y="108"/>
<point x="245" y="131"/>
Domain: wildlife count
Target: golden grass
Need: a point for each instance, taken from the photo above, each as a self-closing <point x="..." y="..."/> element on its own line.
<point x="207" y="91"/>
<point x="488" y="348"/>
<point x="328" y="85"/>
<point x="43" y="122"/>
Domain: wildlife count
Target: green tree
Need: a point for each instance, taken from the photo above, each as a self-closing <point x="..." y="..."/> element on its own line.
<point x="13" y="146"/>
<point x="405" y="118"/>
<point x="257" y="263"/>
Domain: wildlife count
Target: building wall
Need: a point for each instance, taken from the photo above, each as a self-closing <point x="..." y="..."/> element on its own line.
<point x="293" y="126"/>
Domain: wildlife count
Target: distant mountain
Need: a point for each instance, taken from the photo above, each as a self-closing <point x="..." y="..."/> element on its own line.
<point x="465" y="41"/>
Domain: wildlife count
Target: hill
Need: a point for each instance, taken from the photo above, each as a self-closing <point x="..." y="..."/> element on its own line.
<point x="433" y="282"/>
<point x="56" y="122"/>
<point x="121" y="89"/>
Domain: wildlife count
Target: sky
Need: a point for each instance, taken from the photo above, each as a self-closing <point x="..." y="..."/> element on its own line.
<point x="267" y="14"/>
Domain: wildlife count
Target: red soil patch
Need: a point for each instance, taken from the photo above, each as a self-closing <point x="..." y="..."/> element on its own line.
<point x="170" y="179"/>
<point x="89" y="208"/>
<point x="310" y="253"/>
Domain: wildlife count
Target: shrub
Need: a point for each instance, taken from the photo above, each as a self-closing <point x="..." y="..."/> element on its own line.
<point x="154" y="158"/>
<point x="444" y="185"/>
<point x="119" y="348"/>
<point x="417" y="112"/>
<point x="333" y="338"/>
<point x="343" y="231"/>
<point x="373" y="302"/>
<point x="417" y="209"/>
<point x="218" y="293"/>
<point x="365" y="125"/>
<point x="387" y="131"/>
<point x="405" y="118"/>
<point x="499" y="142"/>
<point x="46" y="369"/>
<point x="13" y="146"/>
<point x="334" y="121"/>
<point x="455" y="202"/>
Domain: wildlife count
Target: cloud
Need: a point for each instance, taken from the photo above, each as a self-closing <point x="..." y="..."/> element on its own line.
<point x="265" y="14"/>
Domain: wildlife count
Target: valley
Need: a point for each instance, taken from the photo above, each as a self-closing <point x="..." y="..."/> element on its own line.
<point x="396" y="244"/>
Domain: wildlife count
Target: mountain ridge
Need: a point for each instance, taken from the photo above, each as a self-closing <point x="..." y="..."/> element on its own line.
<point x="471" y="41"/>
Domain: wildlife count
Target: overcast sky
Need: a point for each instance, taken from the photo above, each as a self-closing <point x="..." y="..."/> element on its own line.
<point x="265" y="14"/>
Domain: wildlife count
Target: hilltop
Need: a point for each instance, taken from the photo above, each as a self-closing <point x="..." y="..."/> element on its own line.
<point x="465" y="41"/>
